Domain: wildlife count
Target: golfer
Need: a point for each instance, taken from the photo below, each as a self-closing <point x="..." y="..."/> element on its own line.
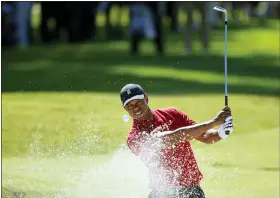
<point x="161" y="138"/>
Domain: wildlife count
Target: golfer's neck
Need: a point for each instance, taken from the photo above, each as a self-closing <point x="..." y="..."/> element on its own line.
<point x="149" y="115"/>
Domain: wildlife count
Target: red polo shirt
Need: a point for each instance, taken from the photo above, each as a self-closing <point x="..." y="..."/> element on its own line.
<point x="174" y="167"/>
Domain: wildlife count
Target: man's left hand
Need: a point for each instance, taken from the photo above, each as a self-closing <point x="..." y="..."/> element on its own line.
<point x="226" y="127"/>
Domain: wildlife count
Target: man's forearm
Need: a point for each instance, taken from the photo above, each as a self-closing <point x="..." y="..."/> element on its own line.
<point x="210" y="137"/>
<point x="186" y="133"/>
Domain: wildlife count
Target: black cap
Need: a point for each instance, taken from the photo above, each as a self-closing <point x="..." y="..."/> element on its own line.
<point x="131" y="92"/>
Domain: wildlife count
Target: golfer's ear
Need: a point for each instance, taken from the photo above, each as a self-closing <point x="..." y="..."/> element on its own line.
<point x="146" y="98"/>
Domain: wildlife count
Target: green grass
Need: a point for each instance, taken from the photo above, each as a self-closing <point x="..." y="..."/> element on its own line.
<point x="61" y="114"/>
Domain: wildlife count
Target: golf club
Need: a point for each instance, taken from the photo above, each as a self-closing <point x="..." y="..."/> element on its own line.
<point x="220" y="9"/>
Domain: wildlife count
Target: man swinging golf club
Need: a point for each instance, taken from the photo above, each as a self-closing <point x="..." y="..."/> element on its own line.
<point x="161" y="138"/>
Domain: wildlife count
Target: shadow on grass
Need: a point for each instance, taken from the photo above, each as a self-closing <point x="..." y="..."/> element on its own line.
<point x="12" y="193"/>
<point x="91" y="67"/>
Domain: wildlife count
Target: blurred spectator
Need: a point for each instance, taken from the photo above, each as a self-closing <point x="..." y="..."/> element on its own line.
<point x="274" y="9"/>
<point x="81" y="22"/>
<point x="78" y="20"/>
<point x="172" y="13"/>
<point x="145" y="23"/>
<point x="253" y="8"/>
<point x="212" y="17"/>
<point x="55" y="11"/>
<point x="22" y="22"/>
<point x="8" y="35"/>
<point x="202" y="7"/>
<point x="249" y="8"/>
<point x="113" y="32"/>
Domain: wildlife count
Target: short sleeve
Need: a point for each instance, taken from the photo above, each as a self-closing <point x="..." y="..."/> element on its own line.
<point x="184" y="118"/>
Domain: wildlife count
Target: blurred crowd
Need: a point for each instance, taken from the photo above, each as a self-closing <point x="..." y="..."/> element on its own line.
<point x="78" y="20"/>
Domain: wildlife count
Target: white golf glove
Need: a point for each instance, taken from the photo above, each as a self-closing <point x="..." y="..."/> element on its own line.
<point x="226" y="129"/>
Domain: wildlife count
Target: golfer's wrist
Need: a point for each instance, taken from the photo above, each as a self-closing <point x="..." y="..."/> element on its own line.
<point x="212" y="123"/>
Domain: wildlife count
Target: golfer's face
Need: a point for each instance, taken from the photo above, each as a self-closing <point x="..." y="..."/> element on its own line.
<point x="137" y="109"/>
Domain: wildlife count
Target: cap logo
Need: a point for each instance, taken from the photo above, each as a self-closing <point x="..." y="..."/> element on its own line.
<point x="128" y="92"/>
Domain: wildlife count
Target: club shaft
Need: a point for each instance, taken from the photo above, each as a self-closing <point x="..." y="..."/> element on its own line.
<point x="225" y="64"/>
<point x="226" y="91"/>
<point x="220" y="9"/>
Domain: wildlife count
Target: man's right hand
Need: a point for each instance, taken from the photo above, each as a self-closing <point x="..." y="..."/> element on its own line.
<point x="222" y="115"/>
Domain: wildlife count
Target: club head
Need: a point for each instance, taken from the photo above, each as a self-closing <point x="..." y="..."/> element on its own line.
<point x="220" y="9"/>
